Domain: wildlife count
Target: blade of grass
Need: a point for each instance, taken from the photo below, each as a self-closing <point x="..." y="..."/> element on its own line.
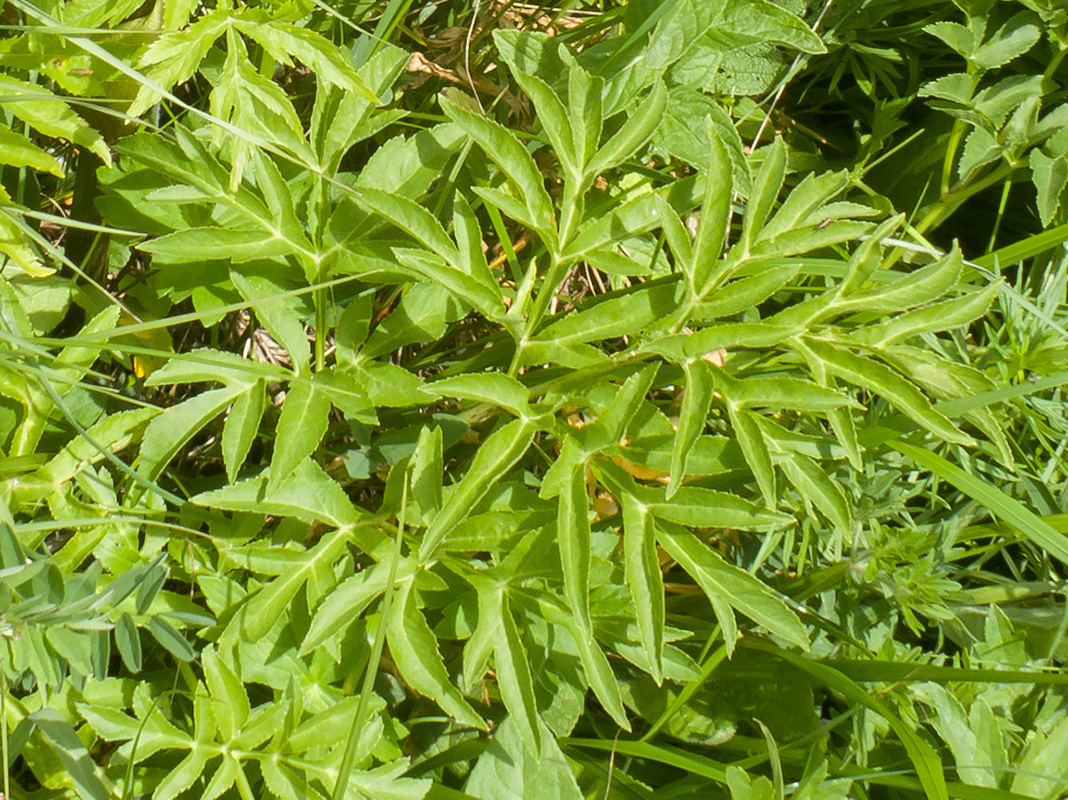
<point x="348" y="760"/>
<point x="924" y="759"/>
<point x="993" y="499"/>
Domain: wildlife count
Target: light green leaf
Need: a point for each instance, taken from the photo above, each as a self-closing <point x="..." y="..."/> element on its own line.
<point x="802" y="202"/>
<point x="585" y="94"/>
<point x="72" y="753"/>
<point x="635" y="132"/>
<point x="553" y="117"/>
<point x="913" y="289"/>
<point x="242" y="426"/>
<point x="704" y="508"/>
<point x="748" y="432"/>
<point x="643" y="578"/>
<point x="227" y="693"/>
<point x="628" y="400"/>
<point x="128" y="642"/>
<point x="411" y="218"/>
<point x="472" y="259"/>
<point x="960" y="38"/>
<point x="273" y="600"/>
<point x="715" y="215"/>
<point x="427" y="469"/>
<point x="615" y="316"/>
<point x="18" y="151"/>
<point x="745" y="293"/>
<point x="634" y="216"/>
<point x="776" y="394"/>
<point x="815" y="485"/>
<point x="175" y="55"/>
<point x="204" y="365"/>
<point x="491" y="387"/>
<point x="937" y="317"/>
<point x="573" y="539"/>
<point x="308" y="495"/>
<point x="1018" y="35"/>
<point x="415" y="651"/>
<point x="463" y="287"/>
<point x="301" y="425"/>
<point x="727" y="583"/>
<point x="494" y="458"/>
<point x="167" y="432"/>
<point x="348" y="600"/>
<point x="50" y="115"/>
<point x="766" y="187"/>
<point x="733" y="335"/>
<point x="325" y="59"/>
<point x="514" y="161"/>
<point x="171" y="639"/>
<point x="240" y="246"/>
<point x="693" y="417"/>
<point x="179" y="778"/>
<point x="1050" y="176"/>
<point x="514" y="679"/>
<point x="873" y="376"/>
<point x="340" y="119"/>
<point x="507" y="770"/>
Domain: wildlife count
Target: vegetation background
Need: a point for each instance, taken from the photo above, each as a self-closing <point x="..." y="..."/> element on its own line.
<point x="496" y="400"/>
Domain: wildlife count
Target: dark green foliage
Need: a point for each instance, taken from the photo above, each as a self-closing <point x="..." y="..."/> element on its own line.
<point x="642" y="400"/>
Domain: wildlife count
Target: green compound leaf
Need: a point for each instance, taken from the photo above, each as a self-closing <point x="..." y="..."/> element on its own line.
<point x="725" y="583"/>
<point x="514" y="161"/>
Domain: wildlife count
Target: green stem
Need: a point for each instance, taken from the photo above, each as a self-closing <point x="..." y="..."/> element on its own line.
<point x="348" y="760"/>
<point x="553" y="277"/>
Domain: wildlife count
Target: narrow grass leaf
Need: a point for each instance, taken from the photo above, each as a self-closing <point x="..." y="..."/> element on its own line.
<point x="686" y="761"/>
<point x="924" y="759"/>
<point x="990" y="497"/>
